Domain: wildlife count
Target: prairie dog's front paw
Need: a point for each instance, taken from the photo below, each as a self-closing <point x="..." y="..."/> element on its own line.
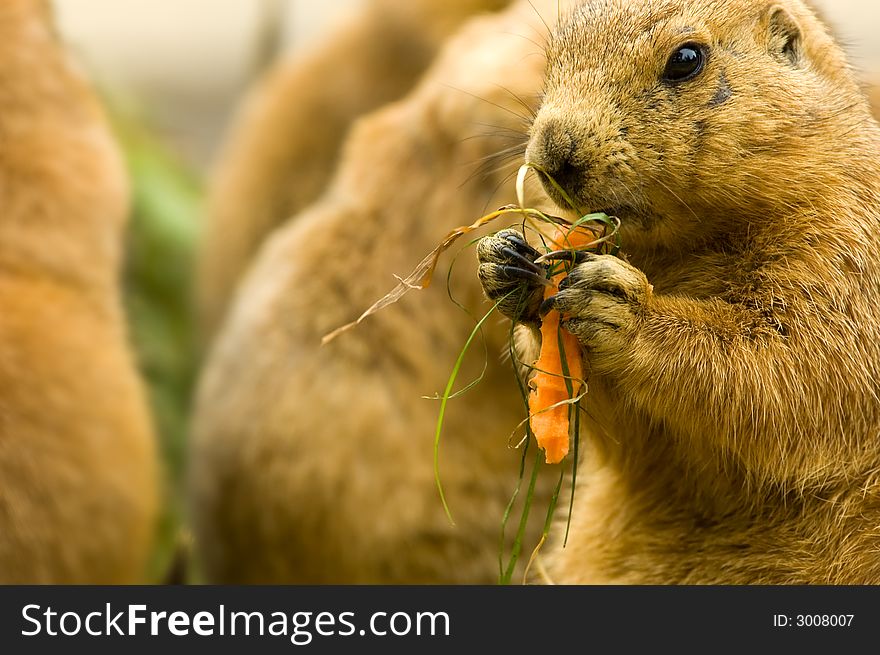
<point x="602" y="302"/>
<point x="511" y="277"/>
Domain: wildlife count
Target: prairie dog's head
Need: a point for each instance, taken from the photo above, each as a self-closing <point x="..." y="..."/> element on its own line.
<point x="674" y="113"/>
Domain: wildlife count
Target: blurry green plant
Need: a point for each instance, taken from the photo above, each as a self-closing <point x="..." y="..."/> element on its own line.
<point x="160" y="250"/>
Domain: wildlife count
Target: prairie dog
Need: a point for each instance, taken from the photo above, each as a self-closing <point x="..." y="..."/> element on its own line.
<point x="78" y="497"/>
<point x="734" y="395"/>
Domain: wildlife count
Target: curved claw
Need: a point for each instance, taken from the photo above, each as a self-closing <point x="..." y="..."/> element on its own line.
<point x="529" y="276"/>
<point x="526" y="263"/>
<point x="573" y="256"/>
<point x="547" y="306"/>
<point x="522" y="246"/>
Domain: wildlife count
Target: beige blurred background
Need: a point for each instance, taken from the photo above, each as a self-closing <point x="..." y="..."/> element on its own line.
<point x="186" y="62"/>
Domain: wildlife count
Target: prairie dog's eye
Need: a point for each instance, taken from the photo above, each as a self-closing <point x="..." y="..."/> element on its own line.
<point x="685" y="63"/>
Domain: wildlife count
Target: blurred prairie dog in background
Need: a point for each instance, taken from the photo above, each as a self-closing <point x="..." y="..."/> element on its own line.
<point x="314" y="465"/>
<point x="78" y="478"/>
<point x="285" y="145"/>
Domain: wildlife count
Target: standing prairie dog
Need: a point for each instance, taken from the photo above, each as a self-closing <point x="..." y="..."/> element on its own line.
<point x="286" y="142"/>
<point x="78" y="479"/>
<point x="734" y="395"/>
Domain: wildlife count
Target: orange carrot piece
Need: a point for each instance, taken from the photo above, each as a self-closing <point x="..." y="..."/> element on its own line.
<point x="549" y="386"/>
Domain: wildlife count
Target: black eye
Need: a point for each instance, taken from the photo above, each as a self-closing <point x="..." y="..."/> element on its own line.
<point x="687" y="62"/>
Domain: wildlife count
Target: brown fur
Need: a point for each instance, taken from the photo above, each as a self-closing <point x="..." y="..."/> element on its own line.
<point x="286" y="143"/>
<point x="874" y="95"/>
<point x="314" y="464"/>
<point x="77" y="461"/>
<point x="735" y="405"/>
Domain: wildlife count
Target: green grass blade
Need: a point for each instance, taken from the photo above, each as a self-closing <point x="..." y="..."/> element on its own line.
<point x="574" y="469"/>
<point x="447" y="394"/>
<point x="523" y="521"/>
<point x="522" y="465"/>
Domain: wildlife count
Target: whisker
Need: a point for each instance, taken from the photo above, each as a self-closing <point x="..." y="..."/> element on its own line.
<point x="538" y="14"/>
<point x="636" y="202"/>
<point x="505" y="180"/>
<point x="525" y="119"/>
<point x="517" y="149"/>
<point x="541" y="46"/>
<point x="500" y="160"/>
<point x="494" y="135"/>
<point x="487" y="170"/>
<point x="533" y="112"/>
<point x="502" y="127"/>
<point x="675" y="195"/>
<point x="498" y="131"/>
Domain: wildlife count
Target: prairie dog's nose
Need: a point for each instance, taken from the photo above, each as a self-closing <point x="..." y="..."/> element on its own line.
<point x="553" y="149"/>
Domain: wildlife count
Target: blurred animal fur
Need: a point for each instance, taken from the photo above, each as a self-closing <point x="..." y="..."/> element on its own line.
<point x="314" y="465"/>
<point x="286" y="142"/>
<point x="78" y="496"/>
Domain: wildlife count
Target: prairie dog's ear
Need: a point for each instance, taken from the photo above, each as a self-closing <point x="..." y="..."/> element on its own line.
<point x="784" y="36"/>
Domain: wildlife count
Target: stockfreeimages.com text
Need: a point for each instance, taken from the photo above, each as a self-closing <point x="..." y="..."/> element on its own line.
<point x="300" y="627"/>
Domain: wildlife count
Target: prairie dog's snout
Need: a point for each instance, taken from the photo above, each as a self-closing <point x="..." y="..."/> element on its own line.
<point x="553" y="150"/>
<point x="580" y="148"/>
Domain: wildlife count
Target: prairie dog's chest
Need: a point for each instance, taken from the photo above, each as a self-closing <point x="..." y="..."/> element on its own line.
<point x="693" y="275"/>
